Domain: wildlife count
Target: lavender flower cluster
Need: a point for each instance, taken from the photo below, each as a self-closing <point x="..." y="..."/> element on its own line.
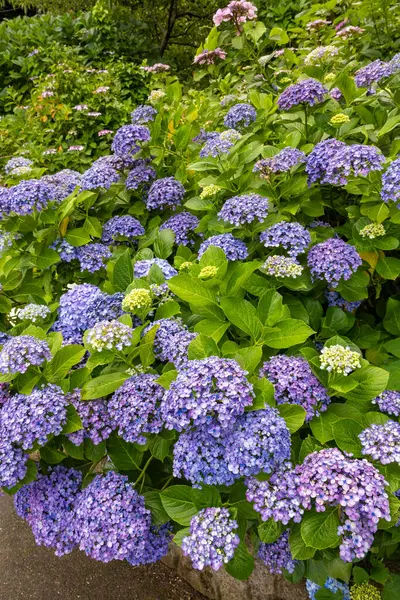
<point x="245" y="208"/>
<point x="100" y="175"/>
<point x="332" y="585"/>
<point x="295" y="383"/>
<point x="27" y="197"/>
<point x="128" y="138"/>
<point x="282" y="162"/>
<point x="388" y="402"/>
<point x="183" y="225"/>
<point x="234" y="248"/>
<point x="325" y="479"/>
<point x="165" y="193"/>
<point x="210" y="387"/>
<point x="143" y="114"/>
<point x="293" y="237"/>
<point x="20" y="352"/>
<point x="142" y="267"/>
<point x="333" y="260"/>
<point x="240" y="116"/>
<point x="141" y="173"/>
<point x="135" y="408"/>
<point x="335" y="299"/>
<point x="171" y="341"/>
<point x="121" y="228"/>
<point x="92" y="256"/>
<point x="96" y="419"/>
<point x="277" y="556"/>
<point x="219" y="143"/>
<point x="391" y="183"/>
<point x="34" y="312"/>
<point x="309" y="91"/>
<point x="212" y="539"/>
<point x="382" y="442"/>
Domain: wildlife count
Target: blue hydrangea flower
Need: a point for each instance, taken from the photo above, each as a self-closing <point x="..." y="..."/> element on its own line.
<point x="28" y="196"/>
<point x="100" y="175"/>
<point x="183" y="225"/>
<point x="92" y="256"/>
<point x="293" y="237"/>
<point x="142" y="267"/>
<point x="319" y="158"/>
<point x="243" y="209"/>
<point x="355" y="160"/>
<point x="335" y="299"/>
<point x="171" y="341"/>
<point x="64" y="182"/>
<point x="234" y="248"/>
<point x="13" y="462"/>
<point x="277" y="556"/>
<point x="128" y="138"/>
<point x="372" y="73"/>
<point x="204" y="389"/>
<point x="333" y="260"/>
<point x="295" y="383"/>
<point x="282" y="162"/>
<point x="66" y="251"/>
<point x="95" y="416"/>
<point x="16" y="162"/>
<point x="382" y="442"/>
<point x="309" y="91"/>
<point x="22" y="351"/>
<point x="240" y="116"/>
<point x="141" y="173"/>
<point x="212" y="539"/>
<point x="331" y="584"/>
<point x="121" y="228"/>
<point x="135" y="408"/>
<point x="388" y="402"/>
<point x="165" y="193"/>
<point x="34" y="313"/>
<point x="109" y="335"/>
<point x="391" y="183"/>
<point x="220" y="143"/>
<point x="143" y="114"/>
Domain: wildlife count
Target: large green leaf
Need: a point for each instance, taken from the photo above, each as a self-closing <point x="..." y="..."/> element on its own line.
<point x="271" y="309"/>
<point x="191" y="290"/>
<point x="123" y="272"/>
<point x="124" y="455"/>
<point x="293" y="414"/>
<point x="241" y="565"/>
<point x="64" y="360"/>
<point x="201" y="347"/>
<point x="286" y="333"/>
<point x="103" y="385"/>
<point x="319" y="529"/>
<point x="346" y="432"/>
<point x="243" y="315"/>
<point x="178" y="503"/>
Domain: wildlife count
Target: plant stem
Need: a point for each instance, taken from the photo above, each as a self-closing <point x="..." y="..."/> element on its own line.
<point x="306" y="122"/>
<point x="142" y="474"/>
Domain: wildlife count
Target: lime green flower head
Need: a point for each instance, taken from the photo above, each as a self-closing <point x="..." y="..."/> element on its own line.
<point x="138" y="299"/>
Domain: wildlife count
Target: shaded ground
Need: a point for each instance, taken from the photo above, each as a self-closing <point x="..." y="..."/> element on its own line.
<point x="29" y="572"/>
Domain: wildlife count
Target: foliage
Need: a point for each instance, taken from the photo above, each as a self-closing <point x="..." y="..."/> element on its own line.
<point x="180" y="396"/>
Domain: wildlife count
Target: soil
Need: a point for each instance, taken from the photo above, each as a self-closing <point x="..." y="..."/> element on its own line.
<point x="30" y="572"/>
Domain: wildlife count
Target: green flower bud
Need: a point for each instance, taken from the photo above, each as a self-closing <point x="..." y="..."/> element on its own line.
<point x="138" y="299"/>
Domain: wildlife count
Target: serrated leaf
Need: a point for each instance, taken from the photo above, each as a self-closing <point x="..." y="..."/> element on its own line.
<point x="243" y="315"/>
<point x="103" y="385"/>
<point x="178" y="503"/>
<point x="123" y="272"/>
<point x="319" y="529"/>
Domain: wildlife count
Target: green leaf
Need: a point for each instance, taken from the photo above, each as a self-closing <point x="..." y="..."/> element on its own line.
<point x="178" y="503"/>
<point x="167" y="378"/>
<point x="78" y="237"/>
<point x="94" y="452"/>
<point x="153" y="502"/>
<point x="51" y="455"/>
<point x="271" y="309"/>
<point x="191" y="290"/>
<point x="390" y="124"/>
<point x="308" y="445"/>
<point x="103" y="385"/>
<point x="346" y="433"/>
<point x="293" y="414"/>
<point x="164" y="243"/>
<point x="73" y="450"/>
<point x="202" y="347"/>
<point x="243" y="315"/>
<point x="241" y="565"/>
<point x="214" y="257"/>
<point x="249" y="357"/>
<point x="64" y="360"/>
<point x="319" y="529"/>
<point x="388" y="267"/>
<point x="297" y="546"/>
<point x="269" y="531"/>
<point x="123" y="272"/>
<point x="74" y="422"/>
<point x="372" y="381"/>
<point x="279" y="36"/>
<point x="167" y="309"/>
<point x="124" y="455"/>
<point x="182" y="533"/>
<point x="212" y="328"/>
<point x="159" y="447"/>
<point x="286" y="333"/>
<point x="391" y="322"/>
<point x="391" y="591"/>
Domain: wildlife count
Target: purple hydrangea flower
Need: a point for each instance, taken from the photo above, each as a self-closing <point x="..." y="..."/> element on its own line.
<point x="282" y="162"/>
<point x="382" y="442"/>
<point x="135" y="408"/>
<point x="128" y="137"/>
<point x="84" y="305"/>
<point x="372" y="73"/>
<point x="293" y="237"/>
<point x="243" y="209"/>
<point x="391" y="183"/>
<point x="295" y="383"/>
<point x="142" y="267"/>
<point x="200" y="458"/>
<point x="91" y="257"/>
<point x="22" y="351"/>
<point x="211" y="387"/>
<point x="212" y="539"/>
<point x="66" y="251"/>
<point x="219" y="143"/>
<point x="309" y="91"/>
<point x="277" y="556"/>
<point x="355" y="160"/>
<point x="336" y="94"/>
<point x="171" y="341"/>
<point x="95" y="416"/>
<point x="109" y="335"/>
<point x="47" y="504"/>
<point x="13" y="467"/>
<point x="333" y="260"/>
<point x="327" y="479"/>
<point x="234" y="248"/>
<point x="120" y="228"/>
<point x="28" y="196"/>
<point x="16" y="162"/>
<point x="158" y="539"/>
<point x="111" y="520"/>
<point x="34" y="312"/>
<point x="240" y="116"/>
<point x="331" y="584"/>
<point x="141" y="173"/>
<point x="143" y="114"/>
<point x="165" y="193"/>
<point x="388" y="402"/>
<point x="182" y="224"/>
<point x="320" y="157"/>
<point x="204" y="136"/>
<point x="119" y="162"/>
<point x="100" y="175"/>
<point x="30" y="419"/>
<point x="335" y="299"/>
<point x="64" y="182"/>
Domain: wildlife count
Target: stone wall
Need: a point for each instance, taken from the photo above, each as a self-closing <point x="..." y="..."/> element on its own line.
<point x="218" y="585"/>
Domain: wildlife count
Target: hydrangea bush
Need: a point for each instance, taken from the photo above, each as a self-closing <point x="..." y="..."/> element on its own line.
<point x="200" y="331"/>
